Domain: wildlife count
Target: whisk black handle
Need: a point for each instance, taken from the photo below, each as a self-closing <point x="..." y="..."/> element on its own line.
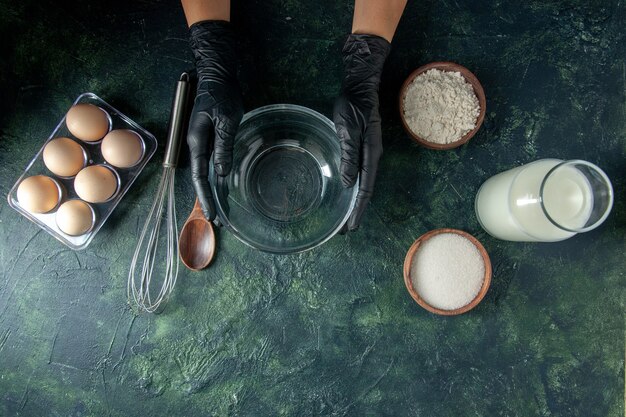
<point x="175" y="132"/>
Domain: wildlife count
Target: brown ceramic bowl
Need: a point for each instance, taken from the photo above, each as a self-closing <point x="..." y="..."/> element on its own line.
<point x="408" y="260"/>
<point x="470" y="78"/>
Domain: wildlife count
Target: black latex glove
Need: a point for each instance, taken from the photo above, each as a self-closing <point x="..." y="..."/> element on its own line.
<point x="357" y="118"/>
<point x="217" y="108"/>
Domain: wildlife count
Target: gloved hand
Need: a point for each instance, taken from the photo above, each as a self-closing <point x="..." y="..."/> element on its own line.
<point x="357" y="118"/>
<point x="217" y="108"/>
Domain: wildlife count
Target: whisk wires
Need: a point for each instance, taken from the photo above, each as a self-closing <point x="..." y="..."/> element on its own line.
<point x="139" y="285"/>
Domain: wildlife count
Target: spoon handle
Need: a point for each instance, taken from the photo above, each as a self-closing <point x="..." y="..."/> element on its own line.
<point x="196" y="212"/>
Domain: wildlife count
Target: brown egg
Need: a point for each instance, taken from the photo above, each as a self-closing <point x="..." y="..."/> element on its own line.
<point x="38" y="194"/>
<point x="95" y="184"/>
<point x="75" y="217"/>
<point x="64" y="157"/>
<point x="87" y="122"/>
<point x="122" y="148"/>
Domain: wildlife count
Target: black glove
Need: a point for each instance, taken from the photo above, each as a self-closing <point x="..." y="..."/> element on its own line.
<point x="357" y="118"/>
<point x="217" y="109"/>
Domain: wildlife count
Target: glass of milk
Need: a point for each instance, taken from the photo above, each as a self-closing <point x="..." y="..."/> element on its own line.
<point x="544" y="201"/>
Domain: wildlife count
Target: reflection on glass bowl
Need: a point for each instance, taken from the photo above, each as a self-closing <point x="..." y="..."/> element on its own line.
<point x="284" y="192"/>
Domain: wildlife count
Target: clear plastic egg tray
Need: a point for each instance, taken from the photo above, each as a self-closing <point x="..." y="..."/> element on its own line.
<point x="102" y="211"/>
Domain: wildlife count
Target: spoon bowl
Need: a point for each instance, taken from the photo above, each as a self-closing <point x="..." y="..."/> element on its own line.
<point x="196" y="243"/>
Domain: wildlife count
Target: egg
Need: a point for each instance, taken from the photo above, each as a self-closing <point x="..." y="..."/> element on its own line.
<point x="38" y="194"/>
<point x="64" y="157"/>
<point x="122" y="148"/>
<point x="95" y="184"/>
<point x="87" y="122"/>
<point x="75" y="217"/>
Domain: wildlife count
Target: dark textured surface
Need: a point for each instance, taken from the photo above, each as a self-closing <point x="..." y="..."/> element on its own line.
<point x="332" y="331"/>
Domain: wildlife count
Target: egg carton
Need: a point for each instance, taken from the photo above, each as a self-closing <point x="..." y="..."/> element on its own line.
<point x="125" y="177"/>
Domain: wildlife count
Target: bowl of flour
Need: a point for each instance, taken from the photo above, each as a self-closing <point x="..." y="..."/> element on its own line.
<point x="442" y="105"/>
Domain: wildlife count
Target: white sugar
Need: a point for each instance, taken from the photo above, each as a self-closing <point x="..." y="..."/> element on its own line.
<point x="447" y="271"/>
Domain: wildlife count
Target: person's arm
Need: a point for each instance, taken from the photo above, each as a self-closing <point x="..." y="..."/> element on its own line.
<point x="218" y="107"/>
<point x="199" y="10"/>
<point x="356" y="113"/>
<point x="377" y="17"/>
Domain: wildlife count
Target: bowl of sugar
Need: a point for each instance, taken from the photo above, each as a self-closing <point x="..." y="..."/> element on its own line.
<point x="442" y="105"/>
<point x="447" y="271"/>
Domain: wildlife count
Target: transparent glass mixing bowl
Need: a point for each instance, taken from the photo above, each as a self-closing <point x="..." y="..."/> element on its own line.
<point x="284" y="193"/>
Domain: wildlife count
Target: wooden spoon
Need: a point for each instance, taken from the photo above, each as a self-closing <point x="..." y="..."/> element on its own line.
<point x="196" y="243"/>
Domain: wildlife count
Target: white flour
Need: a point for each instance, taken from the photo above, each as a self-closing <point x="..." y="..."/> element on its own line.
<point x="440" y="106"/>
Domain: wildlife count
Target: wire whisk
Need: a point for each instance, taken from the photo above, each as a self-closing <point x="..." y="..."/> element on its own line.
<point x="139" y="288"/>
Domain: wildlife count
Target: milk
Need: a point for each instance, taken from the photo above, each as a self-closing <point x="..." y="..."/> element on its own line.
<point x="508" y="205"/>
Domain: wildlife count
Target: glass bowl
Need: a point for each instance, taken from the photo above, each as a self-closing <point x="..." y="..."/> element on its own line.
<point x="284" y="192"/>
